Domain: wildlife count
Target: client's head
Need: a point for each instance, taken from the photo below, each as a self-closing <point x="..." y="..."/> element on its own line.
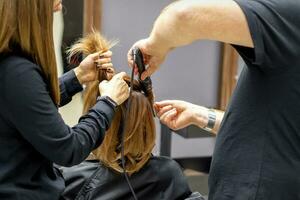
<point x="139" y="129"/>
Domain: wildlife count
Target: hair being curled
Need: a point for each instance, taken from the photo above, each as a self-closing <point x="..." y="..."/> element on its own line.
<point x="140" y="127"/>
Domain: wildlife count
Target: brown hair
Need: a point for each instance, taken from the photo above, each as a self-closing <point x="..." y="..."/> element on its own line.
<point x="139" y="129"/>
<point x="28" y="26"/>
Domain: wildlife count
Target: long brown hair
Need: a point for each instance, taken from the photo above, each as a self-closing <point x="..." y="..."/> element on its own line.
<point x="139" y="129"/>
<point x="27" y="26"/>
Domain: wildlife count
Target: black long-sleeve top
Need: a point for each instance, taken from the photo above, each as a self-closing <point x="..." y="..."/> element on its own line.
<point x="33" y="135"/>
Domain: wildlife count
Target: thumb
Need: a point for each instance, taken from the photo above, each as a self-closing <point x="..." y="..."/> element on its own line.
<point x="103" y="82"/>
<point x="165" y="103"/>
<point x="120" y="75"/>
<point x="95" y="56"/>
<point x="148" y="72"/>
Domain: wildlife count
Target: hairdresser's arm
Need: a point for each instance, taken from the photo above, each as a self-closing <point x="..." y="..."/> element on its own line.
<point x="180" y="114"/>
<point x="34" y="115"/>
<point x="69" y="86"/>
<point x="71" y="82"/>
<point x="186" y="21"/>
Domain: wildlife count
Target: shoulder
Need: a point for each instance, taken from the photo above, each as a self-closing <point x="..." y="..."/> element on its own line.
<point x="270" y="21"/>
<point x="271" y="8"/>
<point x="16" y="65"/>
<point x="16" y="69"/>
<point x="21" y="78"/>
<point x="164" y="166"/>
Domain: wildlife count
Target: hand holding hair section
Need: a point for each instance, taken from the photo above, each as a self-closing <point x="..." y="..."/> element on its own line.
<point x="115" y="82"/>
<point x="97" y="47"/>
<point x="101" y="58"/>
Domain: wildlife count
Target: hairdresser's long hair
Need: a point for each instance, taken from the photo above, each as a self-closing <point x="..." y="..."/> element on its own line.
<point x="139" y="126"/>
<point x="27" y="26"/>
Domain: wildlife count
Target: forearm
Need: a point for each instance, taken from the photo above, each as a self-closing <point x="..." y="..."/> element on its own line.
<point x="201" y="118"/>
<point x="38" y="122"/>
<point x="79" y="74"/>
<point x="188" y="20"/>
<point x="69" y="85"/>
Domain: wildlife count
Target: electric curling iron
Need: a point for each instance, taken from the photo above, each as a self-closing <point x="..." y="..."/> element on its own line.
<point x="139" y="61"/>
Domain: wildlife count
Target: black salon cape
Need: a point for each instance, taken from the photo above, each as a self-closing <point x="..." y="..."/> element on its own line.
<point x="33" y="135"/>
<point x="257" y="151"/>
<point x="160" y="179"/>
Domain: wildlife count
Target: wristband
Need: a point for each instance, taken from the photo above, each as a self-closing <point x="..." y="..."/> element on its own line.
<point x="212" y="117"/>
<point x="108" y="100"/>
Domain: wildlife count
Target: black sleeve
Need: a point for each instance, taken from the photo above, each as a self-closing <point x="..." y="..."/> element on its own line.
<point x="69" y="86"/>
<point x="274" y="27"/>
<point x="36" y="118"/>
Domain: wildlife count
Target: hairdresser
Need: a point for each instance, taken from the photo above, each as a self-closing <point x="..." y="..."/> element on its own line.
<point x="33" y="135"/>
<point x="257" y="154"/>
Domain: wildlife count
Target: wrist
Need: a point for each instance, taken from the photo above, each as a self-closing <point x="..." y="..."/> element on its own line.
<point x="158" y="44"/>
<point x="200" y="117"/>
<point x="108" y="100"/>
<point x="79" y="74"/>
<point x="111" y="96"/>
<point x="212" y="119"/>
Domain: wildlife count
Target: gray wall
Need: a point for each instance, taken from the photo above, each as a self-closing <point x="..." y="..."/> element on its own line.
<point x="190" y="73"/>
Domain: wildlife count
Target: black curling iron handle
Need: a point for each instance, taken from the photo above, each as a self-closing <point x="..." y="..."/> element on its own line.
<point x="139" y="60"/>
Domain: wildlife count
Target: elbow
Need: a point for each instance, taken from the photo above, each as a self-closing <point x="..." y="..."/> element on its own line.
<point x="69" y="158"/>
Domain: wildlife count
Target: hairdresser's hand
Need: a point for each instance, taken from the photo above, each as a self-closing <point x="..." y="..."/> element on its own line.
<point x="117" y="89"/>
<point x="86" y="71"/>
<point x="180" y="114"/>
<point x="153" y="56"/>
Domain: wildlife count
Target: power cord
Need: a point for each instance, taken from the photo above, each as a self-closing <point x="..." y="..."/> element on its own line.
<point x="123" y="133"/>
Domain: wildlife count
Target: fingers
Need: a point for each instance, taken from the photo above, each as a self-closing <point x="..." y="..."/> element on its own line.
<point x="102" y="61"/>
<point x="130" y="61"/>
<point x="102" y="83"/>
<point x="126" y="91"/>
<point x="168" y="118"/>
<point x="139" y="44"/>
<point x="163" y="110"/>
<point x="94" y="56"/>
<point x="110" y="70"/>
<point x="156" y="108"/>
<point x="149" y="71"/>
<point x="97" y="55"/>
<point x="120" y="75"/>
<point x="116" y="88"/>
<point x="129" y="57"/>
<point x="107" y="66"/>
<point x="106" y="54"/>
<point x="165" y="103"/>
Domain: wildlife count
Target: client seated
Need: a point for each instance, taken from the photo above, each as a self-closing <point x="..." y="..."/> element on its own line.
<point x="152" y="177"/>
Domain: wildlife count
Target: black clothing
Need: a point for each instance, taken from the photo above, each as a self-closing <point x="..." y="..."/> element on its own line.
<point x="33" y="135"/>
<point x="257" y="152"/>
<point x="69" y="86"/>
<point x="160" y="179"/>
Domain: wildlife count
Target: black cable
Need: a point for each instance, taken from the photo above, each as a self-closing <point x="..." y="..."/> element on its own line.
<point x="123" y="133"/>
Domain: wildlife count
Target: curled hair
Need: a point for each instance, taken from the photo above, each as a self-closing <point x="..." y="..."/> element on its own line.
<point x="140" y="126"/>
